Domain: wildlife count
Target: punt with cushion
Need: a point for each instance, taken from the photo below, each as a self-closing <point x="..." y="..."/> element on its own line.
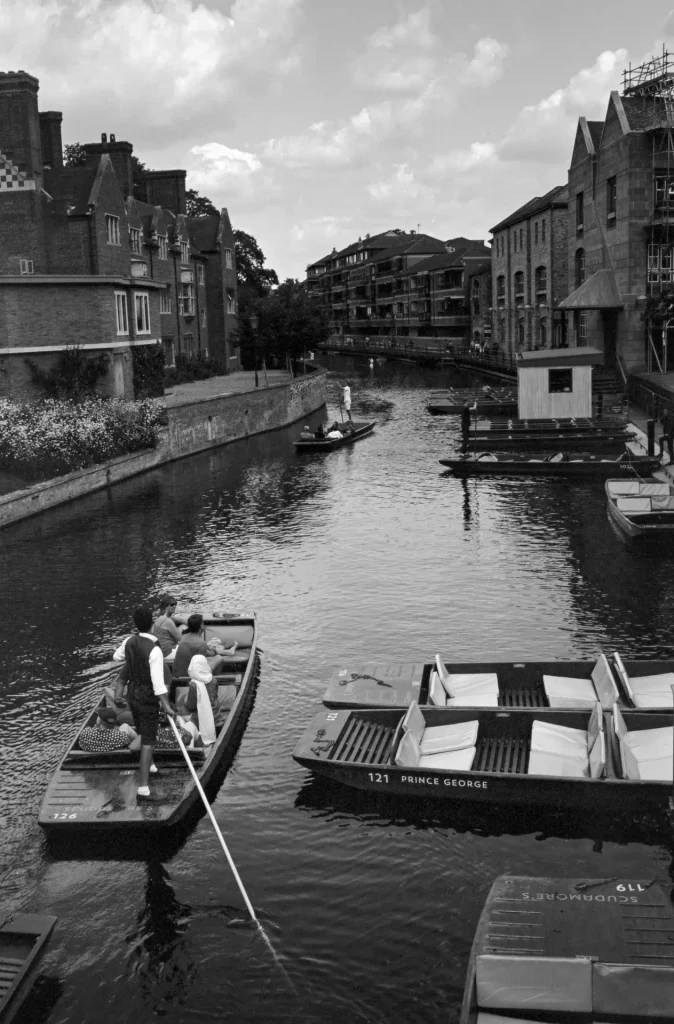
<point x="646" y="754"/>
<point x="647" y="691"/>
<point x="563" y="751"/>
<point x="569" y="692"/>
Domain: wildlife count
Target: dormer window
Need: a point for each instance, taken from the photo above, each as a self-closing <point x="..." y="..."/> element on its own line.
<point x="135" y="237"/>
<point x="184" y="252"/>
<point x="163" y="247"/>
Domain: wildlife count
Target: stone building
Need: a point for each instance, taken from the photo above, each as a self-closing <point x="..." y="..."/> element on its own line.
<point x="620" y="239"/>
<point x="480" y="293"/>
<point x="529" y="275"/>
<point x="398" y="284"/>
<point x="84" y="262"/>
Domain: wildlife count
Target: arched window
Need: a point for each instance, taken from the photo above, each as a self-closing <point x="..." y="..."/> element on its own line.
<point x="541" y="283"/>
<point x="580" y="267"/>
<point x="500" y="290"/>
<point x="519" y="288"/>
<point x="544" y="333"/>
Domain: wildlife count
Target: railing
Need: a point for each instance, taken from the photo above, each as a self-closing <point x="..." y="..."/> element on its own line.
<point x="502" y="362"/>
<point x="407" y="348"/>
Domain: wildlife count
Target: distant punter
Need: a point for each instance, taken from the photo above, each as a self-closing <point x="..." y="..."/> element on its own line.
<point x="346" y="399"/>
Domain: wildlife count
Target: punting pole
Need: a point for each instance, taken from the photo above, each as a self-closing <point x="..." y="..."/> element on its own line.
<point x="223" y="844"/>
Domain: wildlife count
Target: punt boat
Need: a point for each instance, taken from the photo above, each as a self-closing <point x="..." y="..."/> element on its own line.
<point x="571" y="950"/>
<point x="97" y="791"/>
<point x="23" y="939"/>
<point x="326" y="444"/>
<point x="548" y="440"/>
<point x="565" y="685"/>
<point x="612" y="761"/>
<point x="560" y="464"/>
<point x="642" y="508"/>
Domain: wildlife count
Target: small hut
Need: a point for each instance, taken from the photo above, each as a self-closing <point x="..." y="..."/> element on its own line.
<point x="556" y="384"/>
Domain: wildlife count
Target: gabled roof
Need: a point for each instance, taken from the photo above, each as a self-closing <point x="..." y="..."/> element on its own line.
<point x="580" y="356"/>
<point x="595" y="129"/>
<point x="600" y="291"/>
<point x="204" y="231"/>
<point x="71" y="183"/>
<point x="557" y="196"/>
<point x="452" y="259"/>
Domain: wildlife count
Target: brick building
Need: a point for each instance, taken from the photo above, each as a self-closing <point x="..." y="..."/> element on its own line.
<point x="398" y="284"/>
<point x="529" y="275"/>
<point x="480" y="292"/>
<point x="621" y="200"/>
<point x="84" y="262"/>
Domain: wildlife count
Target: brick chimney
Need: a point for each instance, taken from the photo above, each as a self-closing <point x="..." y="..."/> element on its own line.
<point x="50" y="133"/>
<point x="120" y="153"/>
<point x="20" y="123"/>
<point x="167" y="189"/>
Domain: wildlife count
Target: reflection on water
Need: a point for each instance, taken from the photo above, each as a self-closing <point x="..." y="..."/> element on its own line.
<point x="361" y="554"/>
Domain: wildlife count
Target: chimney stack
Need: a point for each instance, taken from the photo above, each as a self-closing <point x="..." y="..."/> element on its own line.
<point x="120" y="153"/>
<point x="50" y="134"/>
<point x="167" y="189"/>
<point x="20" y="123"/>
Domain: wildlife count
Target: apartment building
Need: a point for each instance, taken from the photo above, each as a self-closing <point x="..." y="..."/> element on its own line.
<point x="84" y="262"/>
<point x="400" y="284"/>
<point x="530" y="275"/>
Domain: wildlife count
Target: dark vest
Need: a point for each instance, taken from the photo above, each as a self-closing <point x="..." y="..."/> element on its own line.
<point x="137" y="655"/>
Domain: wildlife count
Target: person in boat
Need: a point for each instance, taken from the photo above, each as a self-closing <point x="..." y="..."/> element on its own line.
<point x="193" y="642"/>
<point x="346" y="398"/>
<point x="199" y="672"/>
<point x="107" y="734"/>
<point x="320" y="432"/>
<point x="334" y="433"/>
<point x="166" y="627"/>
<point x="307" y="434"/>
<point x="145" y="672"/>
<point x="465" y="421"/>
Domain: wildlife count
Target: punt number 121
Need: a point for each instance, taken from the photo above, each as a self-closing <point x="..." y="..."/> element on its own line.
<point x="378" y="776"/>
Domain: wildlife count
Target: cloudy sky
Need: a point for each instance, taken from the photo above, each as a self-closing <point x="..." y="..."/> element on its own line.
<point x="315" y="121"/>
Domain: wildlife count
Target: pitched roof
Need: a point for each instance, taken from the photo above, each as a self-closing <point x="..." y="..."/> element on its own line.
<point x="479" y="267"/>
<point x="595" y="129"/>
<point x="644" y="112"/>
<point x="452" y="259"/>
<point x="600" y="291"/>
<point x="557" y="196"/>
<point x="71" y="183"/>
<point x="204" y="231"/>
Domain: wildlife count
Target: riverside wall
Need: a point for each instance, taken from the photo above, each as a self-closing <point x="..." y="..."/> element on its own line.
<point x="193" y="426"/>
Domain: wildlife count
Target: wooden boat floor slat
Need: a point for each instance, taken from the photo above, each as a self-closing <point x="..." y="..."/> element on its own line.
<point x="363" y="742"/>
<point x="523" y="697"/>
<point x="502" y="754"/>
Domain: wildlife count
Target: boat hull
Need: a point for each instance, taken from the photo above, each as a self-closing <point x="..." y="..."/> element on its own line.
<point x="23" y="939"/>
<point x="360" y="431"/>
<point x="592" y="467"/>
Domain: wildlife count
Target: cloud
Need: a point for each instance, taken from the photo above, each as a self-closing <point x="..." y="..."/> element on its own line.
<point x="154" y="61"/>
<point x="389" y="61"/>
<point x="477" y="155"/>
<point x="402" y="183"/>
<point x="413" y="30"/>
<point x="486" y="65"/>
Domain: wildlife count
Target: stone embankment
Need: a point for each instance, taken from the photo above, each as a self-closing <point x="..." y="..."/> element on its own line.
<point x="202" y="415"/>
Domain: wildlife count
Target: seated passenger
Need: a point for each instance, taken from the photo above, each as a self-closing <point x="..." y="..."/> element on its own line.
<point x="320" y="432"/>
<point x="192" y="642"/>
<point x="107" y="735"/>
<point x="334" y="431"/>
<point x="199" y="672"/>
<point x="307" y="434"/>
<point x="166" y="627"/>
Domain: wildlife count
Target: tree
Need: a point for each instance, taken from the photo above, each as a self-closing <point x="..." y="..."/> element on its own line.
<point x="74" y="154"/>
<point x="198" y="206"/>
<point x="255" y="280"/>
<point x="290" y="322"/>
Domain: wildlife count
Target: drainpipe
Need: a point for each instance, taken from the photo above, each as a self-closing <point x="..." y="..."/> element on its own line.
<point x="175" y="276"/>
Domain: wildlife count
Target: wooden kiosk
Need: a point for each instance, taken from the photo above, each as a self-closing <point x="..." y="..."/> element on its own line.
<point x="556" y="384"/>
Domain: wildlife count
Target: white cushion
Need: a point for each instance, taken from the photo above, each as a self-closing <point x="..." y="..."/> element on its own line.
<point x="559" y="765"/>
<point x="630" y="765"/>
<point x="408" y="753"/>
<point x="564" y="691"/>
<point x="604" y="683"/>
<point x="657" y="769"/>
<point x="449" y="760"/>
<point x="497" y="1018"/>
<point x="633" y="504"/>
<point x="648" y="743"/>
<point x="440" y="738"/>
<point x="474" y="700"/>
<point x="557" y="984"/>
<point x="414" y="721"/>
<point x="644" y="990"/>
<point x="619" y="727"/>
<point x="436" y="691"/>
<point x="480" y="682"/>
<point x="653" y="700"/>
<point x="598" y="757"/>
<point x="558" y="739"/>
<point x="661" y="683"/>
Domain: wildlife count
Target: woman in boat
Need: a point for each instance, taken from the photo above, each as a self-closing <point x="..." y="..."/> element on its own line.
<point x="334" y="433"/>
<point x="166" y="627"/>
<point x="320" y="432"/>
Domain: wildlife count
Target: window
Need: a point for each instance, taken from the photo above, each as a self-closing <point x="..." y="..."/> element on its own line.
<point x="188" y="341"/>
<point x="201" y="278"/>
<point x="165" y="300"/>
<point x="544" y="333"/>
<point x="142" y="306"/>
<point x="611" y="198"/>
<point x="521" y="238"/>
<point x="519" y="288"/>
<point x="135" y="239"/>
<point x="27" y="267"/>
<point x="184" y="252"/>
<point x="186" y="299"/>
<point x="579" y="267"/>
<point x="515" y="242"/>
<point x="231" y="301"/>
<point x="476" y="296"/>
<point x="163" y="251"/>
<point x="121" y="313"/>
<point x="541" y="282"/>
<point x="536" y="233"/>
<point x="169" y="352"/>
<point x="580" y="325"/>
<point x="664" y="192"/>
<point x="500" y="290"/>
<point x="580" y="212"/>
<point x="659" y="264"/>
<point x="543" y="223"/>
<point x="112" y="229"/>
<point x="560" y="380"/>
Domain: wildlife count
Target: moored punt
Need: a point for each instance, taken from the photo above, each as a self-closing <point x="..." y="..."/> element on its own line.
<point x="326" y="444"/>
<point x="567" y="759"/>
<point x="23" y="938"/>
<point x="565" y="685"/>
<point x="572" y="950"/>
<point x="485" y="407"/>
<point x="581" y="464"/>
<point x="549" y="440"/>
<point x="97" y="791"/>
<point x="642" y="507"/>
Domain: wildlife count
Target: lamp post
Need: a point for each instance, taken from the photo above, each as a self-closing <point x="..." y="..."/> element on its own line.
<point x="254" y="321"/>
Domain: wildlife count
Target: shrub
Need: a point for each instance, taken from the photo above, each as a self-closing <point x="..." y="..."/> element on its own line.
<point x="149" y="366"/>
<point x="191" y="368"/>
<point x="74" y="376"/>
<point x="55" y="437"/>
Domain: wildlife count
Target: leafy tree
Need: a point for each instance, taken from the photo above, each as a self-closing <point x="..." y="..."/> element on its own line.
<point x="74" y="154"/>
<point x="198" y="206"/>
<point x="255" y="280"/>
<point x="290" y="322"/>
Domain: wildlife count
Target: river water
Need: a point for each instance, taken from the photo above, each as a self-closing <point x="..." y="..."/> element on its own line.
<point x="362" y="554"/>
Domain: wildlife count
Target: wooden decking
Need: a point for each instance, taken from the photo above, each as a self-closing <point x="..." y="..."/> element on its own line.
<point x="363" y="742"/>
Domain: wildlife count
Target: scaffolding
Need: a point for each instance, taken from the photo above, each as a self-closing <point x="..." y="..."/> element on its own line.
<point x="653" y="82"/>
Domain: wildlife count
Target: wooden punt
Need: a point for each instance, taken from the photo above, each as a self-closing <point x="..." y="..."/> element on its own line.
<point x="485" y="407"/>
<point x="550" y="441"/>
<point x="98" y="791"/>
<point x="360" y="430"/>
<point x="23" y="939"/>
<point x="642" y="508"/>
<point x="581" y="464"/>
<point x="572" y="950"/>
<point x="635" y="685"/>
<point x="359" y="749"/>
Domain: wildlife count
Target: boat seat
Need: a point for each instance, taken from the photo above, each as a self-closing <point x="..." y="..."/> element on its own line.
<point x="642" y="990"/>
<point x="644" y="691"/>
<point x="566" y="692"/>
<point x="646" y="754"/>
<point x="438" y="739"/>
<point x="438" y="697"/>
<point x="624" y="487"/>
<point x="450" y="760"/>
<point x="531" y="983"/>
<point x="561" y="750"/>
<point x="461" y="684"/>
<point x="558" y="739"/>
<point x="436" y="692"/>
<point x="560" y="765"/>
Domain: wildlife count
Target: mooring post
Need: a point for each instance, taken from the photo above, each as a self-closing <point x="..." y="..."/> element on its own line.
<point x="650" y="434"/>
